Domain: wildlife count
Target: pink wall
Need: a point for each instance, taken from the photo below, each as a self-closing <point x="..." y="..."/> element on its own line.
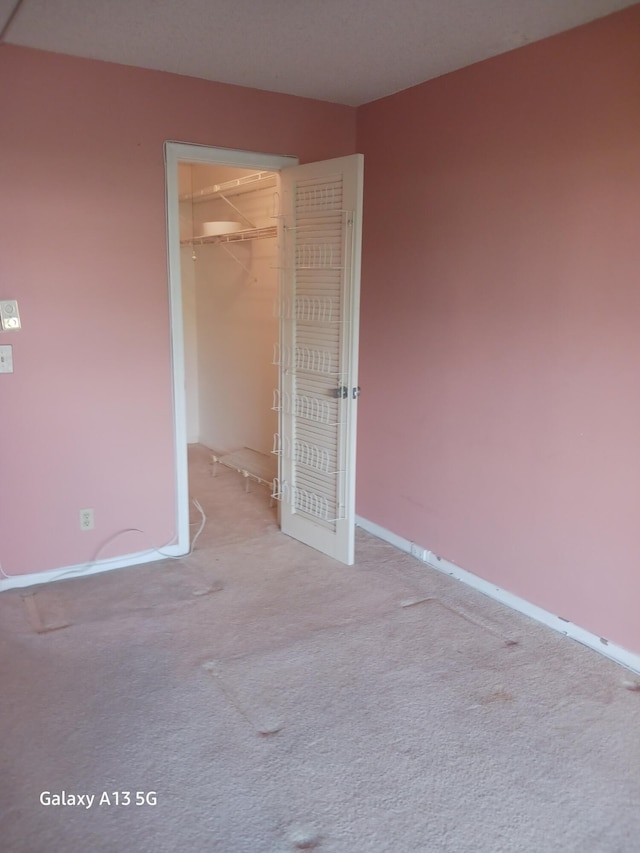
<point x="500" y="419"/>
<point x="500" y="325"/>
<point x="86" y="419"/>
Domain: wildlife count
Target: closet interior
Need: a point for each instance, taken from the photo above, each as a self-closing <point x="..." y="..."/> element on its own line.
<point x="228" y="255"/>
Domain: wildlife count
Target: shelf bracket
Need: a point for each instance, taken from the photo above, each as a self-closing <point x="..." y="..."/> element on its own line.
<point x="237" y="210"/>
<point x="239" y="262"/>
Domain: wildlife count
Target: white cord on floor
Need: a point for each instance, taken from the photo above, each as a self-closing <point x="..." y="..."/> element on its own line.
<point x="108" y="541"/>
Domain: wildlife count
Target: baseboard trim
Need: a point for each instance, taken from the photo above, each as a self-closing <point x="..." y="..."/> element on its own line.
<point x="622" y="656"/>
<point x="83" y="569"/>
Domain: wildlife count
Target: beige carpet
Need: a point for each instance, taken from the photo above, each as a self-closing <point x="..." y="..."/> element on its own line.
<point x="277" y="701"/>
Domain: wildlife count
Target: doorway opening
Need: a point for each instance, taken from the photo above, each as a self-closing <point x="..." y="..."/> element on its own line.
<point x="201" y="412"/>
<point x="264" y="269"/>
<point x="230" y="281"/>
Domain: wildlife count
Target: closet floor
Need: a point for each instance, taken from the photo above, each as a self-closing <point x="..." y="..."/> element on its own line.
<point x="237" y="508"/>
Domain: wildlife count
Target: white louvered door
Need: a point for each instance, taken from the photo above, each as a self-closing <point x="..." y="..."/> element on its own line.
<point x="318" y="353"/>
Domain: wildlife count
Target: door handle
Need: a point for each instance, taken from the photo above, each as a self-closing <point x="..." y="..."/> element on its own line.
<point x="342" y="392"/>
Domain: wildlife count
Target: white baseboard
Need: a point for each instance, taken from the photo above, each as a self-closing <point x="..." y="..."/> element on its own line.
<point x="148" y="556"/>
<point x="628" y="659"/>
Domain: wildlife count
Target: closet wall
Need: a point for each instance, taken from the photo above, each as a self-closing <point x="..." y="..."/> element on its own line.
<point x="229" y="292"/>
<point x="189" y="314"/>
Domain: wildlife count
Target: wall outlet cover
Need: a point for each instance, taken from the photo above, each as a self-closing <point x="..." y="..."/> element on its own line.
<point x="9" y="315"/>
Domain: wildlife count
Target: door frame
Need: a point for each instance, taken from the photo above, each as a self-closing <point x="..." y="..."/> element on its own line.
<point x="174" y="154"/>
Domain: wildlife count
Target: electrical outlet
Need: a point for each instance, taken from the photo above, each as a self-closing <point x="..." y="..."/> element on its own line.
<point x="86" y="519"/>
<point x="9" y="315"/>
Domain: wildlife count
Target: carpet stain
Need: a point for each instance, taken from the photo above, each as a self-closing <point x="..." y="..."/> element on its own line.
<point x="303" y="838"/>
<point x="496" y="696"/>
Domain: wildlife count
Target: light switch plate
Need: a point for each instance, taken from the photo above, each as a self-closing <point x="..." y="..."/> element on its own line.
<point x="6" y="359"/>
<point x="9" y="315"/>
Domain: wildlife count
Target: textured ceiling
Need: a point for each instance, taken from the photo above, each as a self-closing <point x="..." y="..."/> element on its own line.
<point x="347" y="51"/>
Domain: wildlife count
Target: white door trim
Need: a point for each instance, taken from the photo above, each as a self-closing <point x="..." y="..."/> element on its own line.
<point x="174" y="153"/>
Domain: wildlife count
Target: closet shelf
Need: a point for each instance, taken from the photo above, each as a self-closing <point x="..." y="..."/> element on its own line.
<point x="248" y="183"/>
<point x="235" y="236"/>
